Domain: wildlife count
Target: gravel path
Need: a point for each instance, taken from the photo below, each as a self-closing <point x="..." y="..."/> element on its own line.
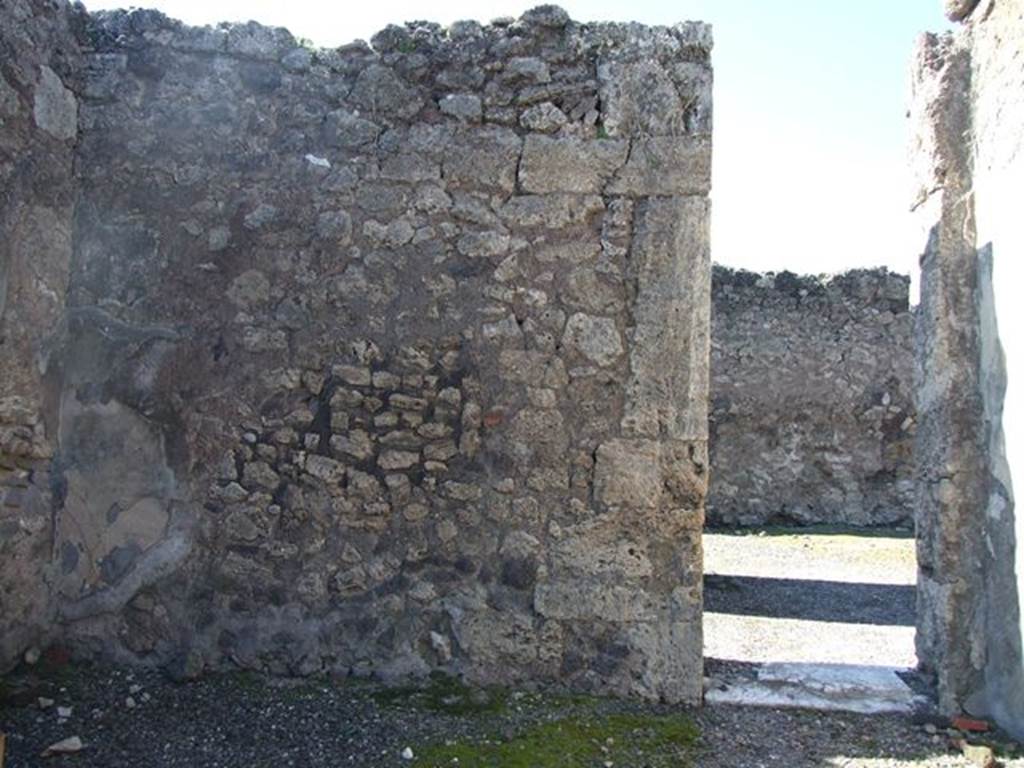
<point x="810" y="596"/>
<point x="246" y="721"/>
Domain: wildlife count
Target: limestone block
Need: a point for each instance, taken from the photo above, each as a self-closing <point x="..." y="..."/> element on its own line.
<point x="343" y="128"/>
<point x="532" y="367"/>
<point x="552" y="211"/>
<point x="665" y="165"/>
<point x="326" y="469"/>
<point x="628" y="474"/>
<point x="464" y="106"/>
<point x="583" y="600"/>
<point x="544" y="118"/>
<point x="569" y="164"/>
<point x="380" y="91"/>
<point x="596" y="338"/>
<point x="669" y="350"/>
<point x="639" y="98"/>
<point x="485" y="158"/>
<point x="55" y="108"/>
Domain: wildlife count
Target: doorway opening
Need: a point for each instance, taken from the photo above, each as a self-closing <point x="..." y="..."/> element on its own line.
<point x="809" y="552"/>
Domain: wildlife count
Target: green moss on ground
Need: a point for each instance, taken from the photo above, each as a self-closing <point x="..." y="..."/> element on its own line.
<point x="446" y="695"/>
<point x="656" y="741"/>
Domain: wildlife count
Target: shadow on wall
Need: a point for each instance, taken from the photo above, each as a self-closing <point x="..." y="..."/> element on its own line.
<point x="1003" y="680"/>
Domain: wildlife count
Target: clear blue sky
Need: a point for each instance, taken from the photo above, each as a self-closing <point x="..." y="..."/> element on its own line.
<point x="810" y="97"/>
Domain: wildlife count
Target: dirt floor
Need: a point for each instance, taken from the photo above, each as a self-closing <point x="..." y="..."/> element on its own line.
<point x="246" y="721"/>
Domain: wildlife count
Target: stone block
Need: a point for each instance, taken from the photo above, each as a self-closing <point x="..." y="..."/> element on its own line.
<point x="665" y="165"/>
<point x="569" y="164"/>
<point x="627" y="473"/>
<point x="595" y="338"/>
<point x="585" y="600"/>
<point x="484" y="159"/>
<point x="553" y="211"/>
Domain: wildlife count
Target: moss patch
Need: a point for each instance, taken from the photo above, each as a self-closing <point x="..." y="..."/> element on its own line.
<point x="657" y="741"/>
<point x="444" y="694"/>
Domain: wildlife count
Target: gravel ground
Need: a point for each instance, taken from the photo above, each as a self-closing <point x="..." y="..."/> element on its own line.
<point x="819" y="596"/>
<point x="248" y="721"/>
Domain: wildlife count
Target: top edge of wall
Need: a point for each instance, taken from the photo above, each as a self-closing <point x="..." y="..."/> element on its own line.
<point x="871" y="287"/>
<point x="117" y="30"/>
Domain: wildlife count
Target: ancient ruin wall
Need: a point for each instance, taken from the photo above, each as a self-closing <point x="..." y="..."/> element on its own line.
<point x="389" y="359"/>
<point x="968" y="154"/>
<point x="39" y="69"/>
<point x="812" y="415"/>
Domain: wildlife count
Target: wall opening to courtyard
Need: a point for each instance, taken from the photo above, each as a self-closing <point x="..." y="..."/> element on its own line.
<point x="808" y="548"/>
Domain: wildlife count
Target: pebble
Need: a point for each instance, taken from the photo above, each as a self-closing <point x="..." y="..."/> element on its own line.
<point x="66" y="746"/>
<point x="64" y="712"/>
<point x="407" y="754"/>
<point x="45" y="703"/>
<point x="130" y="703"/>
<point x="979" y="755"/>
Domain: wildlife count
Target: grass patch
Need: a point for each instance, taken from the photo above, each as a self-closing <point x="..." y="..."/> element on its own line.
<point x="446" y="695"/>
<point x="656" y="741"/>
<point x="247" y="680"/>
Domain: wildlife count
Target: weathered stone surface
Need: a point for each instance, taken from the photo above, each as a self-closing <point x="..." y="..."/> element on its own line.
<point x="647" y="97"/>
<point x="464" y="106"/>
<point x="812" y="414"/>
<point x="381" y="92"/>
<point x="55" y="109"/>
<point x="569" y="164"/>
<point x="966" y="105"/>
<point x="544" y="118"/>
<point x="595" y="338"/>
<point x="38" y="121"/>
<point x="351" y="324"/>
<point x="666" y="392"/>
<point x="628" y="473"/>
<point x="665" y="166"/>
<point x="485" y="159"/>
<point x="958" y="10"/>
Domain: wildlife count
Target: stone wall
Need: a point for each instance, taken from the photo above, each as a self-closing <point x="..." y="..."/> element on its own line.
<point x="967" y="106"/>
<point x="388" y="359"/>
<point x="812" y="416"/>
<point x="40" y="69"/>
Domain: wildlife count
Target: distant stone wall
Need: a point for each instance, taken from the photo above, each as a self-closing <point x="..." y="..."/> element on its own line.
<point x="389" y="359"/>
<point x="812" y="416"/>
<point x="968" y="159"/>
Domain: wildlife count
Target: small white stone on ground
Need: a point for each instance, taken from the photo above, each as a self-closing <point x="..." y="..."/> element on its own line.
<point x="66" y="746"/>
<point x="407" y="753"/>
